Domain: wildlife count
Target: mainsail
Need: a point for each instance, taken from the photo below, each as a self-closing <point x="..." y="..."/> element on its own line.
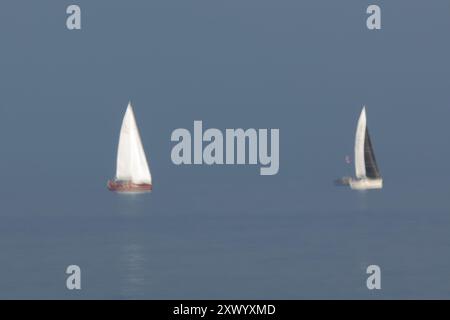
<point x="131" y="161"/>
<point x="365" y="163"/>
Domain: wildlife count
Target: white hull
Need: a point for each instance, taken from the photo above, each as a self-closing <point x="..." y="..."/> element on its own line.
<point x="366" y="184"/>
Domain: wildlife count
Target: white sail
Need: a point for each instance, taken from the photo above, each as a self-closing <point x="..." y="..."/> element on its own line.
<point x="131" y="161"/>
<point x="360" y="166"/>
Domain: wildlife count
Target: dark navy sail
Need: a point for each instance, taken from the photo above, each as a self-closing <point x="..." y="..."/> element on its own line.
<point x="372" y="171"/>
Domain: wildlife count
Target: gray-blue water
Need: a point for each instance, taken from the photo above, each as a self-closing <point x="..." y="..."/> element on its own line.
<point x="305" y="67"/>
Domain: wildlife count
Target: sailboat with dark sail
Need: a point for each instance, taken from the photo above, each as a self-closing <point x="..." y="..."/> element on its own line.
<point x="366" y="169"/>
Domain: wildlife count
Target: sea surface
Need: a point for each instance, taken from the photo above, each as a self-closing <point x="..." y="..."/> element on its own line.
<point x="219" y="232"/>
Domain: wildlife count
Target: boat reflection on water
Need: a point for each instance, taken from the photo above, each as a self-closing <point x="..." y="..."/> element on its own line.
<point x="131" y="204"/>
<point x="363" y="200"/>
<point x="133" y="219"/>
<point x="133" y="280"/>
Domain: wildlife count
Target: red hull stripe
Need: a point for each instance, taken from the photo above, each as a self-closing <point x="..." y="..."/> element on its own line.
<point x="128" y="186"/>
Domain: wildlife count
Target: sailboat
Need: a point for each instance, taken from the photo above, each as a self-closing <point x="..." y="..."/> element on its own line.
<point x="366" y="169"/>
<point x="132" y="171"/>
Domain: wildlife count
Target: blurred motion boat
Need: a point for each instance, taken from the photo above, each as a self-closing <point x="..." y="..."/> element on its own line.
<point x="132" y="171"/>
<point x="366" y="169"/>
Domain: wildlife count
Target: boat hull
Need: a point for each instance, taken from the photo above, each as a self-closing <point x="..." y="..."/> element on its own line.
<point x="128" y="187"/>
<point x="366" y="184"/>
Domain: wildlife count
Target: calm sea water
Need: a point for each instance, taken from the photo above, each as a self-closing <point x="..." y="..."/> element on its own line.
<point x="224" y="231"/>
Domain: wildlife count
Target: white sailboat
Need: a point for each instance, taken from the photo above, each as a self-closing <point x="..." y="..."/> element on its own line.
<point x="366" y="169"/>
<point x="132" y="172"/>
